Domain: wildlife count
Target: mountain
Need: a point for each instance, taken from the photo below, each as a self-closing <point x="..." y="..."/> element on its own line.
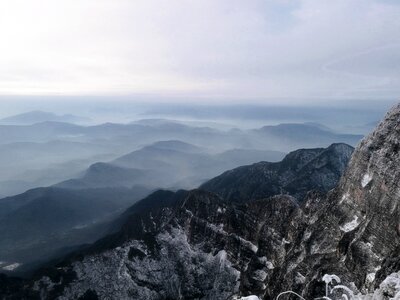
<point x="101" y="175"/>
<point x="46" y="174"/>
<point x="300" y="171"/>
<point x="26" y="165"/>
<point x="38" y="116"/>
<point x="39" y="223"/>
<point x="344" y="244"/>
<point x="303" y="135"/>
<point x="166" y="164"/>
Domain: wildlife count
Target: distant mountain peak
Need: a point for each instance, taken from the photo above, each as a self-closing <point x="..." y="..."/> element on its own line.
<point x="176" y="145"/>
<point x="38" y="116"/>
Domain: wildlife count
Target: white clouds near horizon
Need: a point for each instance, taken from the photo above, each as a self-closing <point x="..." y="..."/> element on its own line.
<point x="227" y="48"/>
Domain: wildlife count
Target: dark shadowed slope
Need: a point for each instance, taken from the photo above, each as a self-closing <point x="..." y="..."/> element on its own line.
<point x="300" y="171"/>
<point x="37" y="224"/>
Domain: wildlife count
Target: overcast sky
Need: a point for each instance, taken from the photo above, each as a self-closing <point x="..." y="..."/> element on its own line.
<point x="213" y="48"/>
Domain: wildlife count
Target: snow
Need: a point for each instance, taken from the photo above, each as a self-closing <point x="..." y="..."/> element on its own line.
<point x="266" y="262"/>
<point x="11" y="267"/>
<point x="328" y="279"/>
<point x="247" y="243"/>
<point x="366" y="179"/>
<point x="345" y="197"/>
<point x="252" y="297"/>
<point x="370" y="277"/>
<point x="351" y="225"/>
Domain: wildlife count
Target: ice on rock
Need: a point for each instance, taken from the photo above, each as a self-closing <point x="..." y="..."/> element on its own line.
<point x="351" y="225"/>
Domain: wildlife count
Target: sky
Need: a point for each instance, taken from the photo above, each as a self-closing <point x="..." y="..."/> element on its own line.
<point x="227" y="49"/>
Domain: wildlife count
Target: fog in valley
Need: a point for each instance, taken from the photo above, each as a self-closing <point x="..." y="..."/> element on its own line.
<point x="72" y="142"/>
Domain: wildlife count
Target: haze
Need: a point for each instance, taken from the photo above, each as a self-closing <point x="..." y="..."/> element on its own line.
<point x="236" y="50"/>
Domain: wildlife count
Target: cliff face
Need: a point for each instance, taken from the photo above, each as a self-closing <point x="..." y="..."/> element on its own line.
<point x="198" y="245"/>
<point x="355" y="232"/>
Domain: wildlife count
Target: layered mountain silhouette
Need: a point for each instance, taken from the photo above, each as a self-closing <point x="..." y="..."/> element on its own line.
<point x="166" y="164"/>
<point x="38" y="116"/>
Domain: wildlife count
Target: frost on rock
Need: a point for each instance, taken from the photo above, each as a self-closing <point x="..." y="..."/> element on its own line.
<point x="389" y="289"/>
<point x="366" y="179"/>
<point x="299" y="278"/>
<point x="178" y="270"/>
<point x="263" y="260"/>
<point x="351" y="225"/>
<point x="260" y="275"/>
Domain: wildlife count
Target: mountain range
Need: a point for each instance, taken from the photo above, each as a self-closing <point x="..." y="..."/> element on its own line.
<point x="198" y="244"/>
<point x="48" y="152"/>
<point x="66" y="207"/>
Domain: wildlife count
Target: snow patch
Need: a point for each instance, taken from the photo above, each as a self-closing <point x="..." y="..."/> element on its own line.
<point x="266" y="262"/>
<point x="366" y="179"/>
<point x="11" y="267"/>
<point x="351" y="225"/>
<point x="370" y="277"/>
<point x="345" y="197"/>
<point x="252" y="297"/>
<point x="328" y="279"/>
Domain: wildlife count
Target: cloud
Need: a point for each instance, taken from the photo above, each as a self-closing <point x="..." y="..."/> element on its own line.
<point x="230" y="48"/>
